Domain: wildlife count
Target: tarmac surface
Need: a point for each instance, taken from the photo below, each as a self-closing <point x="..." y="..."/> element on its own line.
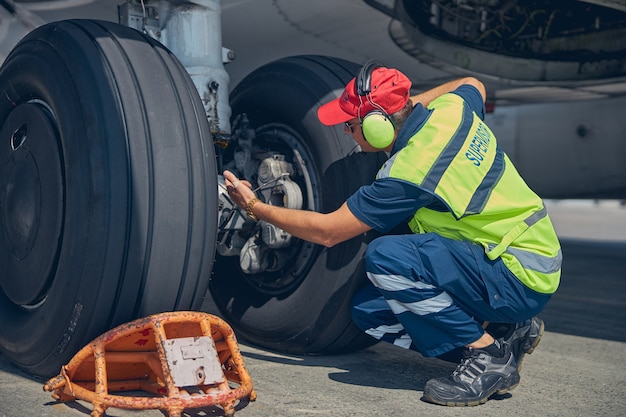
<point x="579" y="368"/>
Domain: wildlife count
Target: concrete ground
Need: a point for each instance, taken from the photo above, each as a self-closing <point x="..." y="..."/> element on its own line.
<point x="579" y="369"/>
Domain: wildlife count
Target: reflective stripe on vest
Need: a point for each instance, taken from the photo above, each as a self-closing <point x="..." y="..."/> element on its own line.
<point x="528" y="260"/>
<point x="497" y="250"/>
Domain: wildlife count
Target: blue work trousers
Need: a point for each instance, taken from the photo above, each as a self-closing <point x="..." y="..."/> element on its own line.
<point x="432" y="294"/>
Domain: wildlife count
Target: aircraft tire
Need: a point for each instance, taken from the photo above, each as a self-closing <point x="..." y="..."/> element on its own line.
<point x="108" y="189"/>
<point x="305" y="307"/>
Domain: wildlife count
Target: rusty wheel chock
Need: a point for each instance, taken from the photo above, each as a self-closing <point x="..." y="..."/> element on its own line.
<point x="181" y="360"/>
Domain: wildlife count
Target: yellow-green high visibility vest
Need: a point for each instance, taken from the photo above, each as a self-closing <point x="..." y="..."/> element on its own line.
<point x="455" y="157"/>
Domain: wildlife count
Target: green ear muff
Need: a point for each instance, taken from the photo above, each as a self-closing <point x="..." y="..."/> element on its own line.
<point x="378" y="129"/>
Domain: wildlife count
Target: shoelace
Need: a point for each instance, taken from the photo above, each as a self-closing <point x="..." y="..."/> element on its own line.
<point x="467" y="369"/>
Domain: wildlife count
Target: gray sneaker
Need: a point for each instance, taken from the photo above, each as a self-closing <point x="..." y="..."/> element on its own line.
<point x="476" y="378"/>
<point x="524" y="338"/>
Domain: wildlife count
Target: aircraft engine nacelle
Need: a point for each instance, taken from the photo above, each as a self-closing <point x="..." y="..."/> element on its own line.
<point x="552" y="41"/>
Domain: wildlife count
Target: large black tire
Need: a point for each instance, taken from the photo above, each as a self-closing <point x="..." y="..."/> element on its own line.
<point x="107" y="190"/>
<point x="305" y="307"/>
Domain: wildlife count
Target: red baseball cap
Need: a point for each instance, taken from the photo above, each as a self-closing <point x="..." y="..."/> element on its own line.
<point x="390" y="90"/>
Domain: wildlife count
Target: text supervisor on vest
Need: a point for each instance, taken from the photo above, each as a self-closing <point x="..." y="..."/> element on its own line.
<point x="483" y="259"/>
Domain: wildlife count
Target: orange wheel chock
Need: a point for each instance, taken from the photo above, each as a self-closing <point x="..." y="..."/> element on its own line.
<point x="180" y="359"/>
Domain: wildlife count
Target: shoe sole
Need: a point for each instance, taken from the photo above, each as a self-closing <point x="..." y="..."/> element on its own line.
<point x="502" y="388"/>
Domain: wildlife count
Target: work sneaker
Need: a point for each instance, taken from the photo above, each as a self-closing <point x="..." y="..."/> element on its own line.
<point x="524" y="338"/>
<point x="479" y="375"/>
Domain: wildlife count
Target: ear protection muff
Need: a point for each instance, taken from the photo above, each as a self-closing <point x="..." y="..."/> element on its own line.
<point x="378" y="129"/>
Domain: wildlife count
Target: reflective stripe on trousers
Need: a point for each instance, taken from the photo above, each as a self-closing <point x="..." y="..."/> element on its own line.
<point x="433" y="293"/>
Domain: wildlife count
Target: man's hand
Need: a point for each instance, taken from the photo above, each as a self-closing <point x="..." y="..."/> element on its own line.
<point x="240" y="191"/>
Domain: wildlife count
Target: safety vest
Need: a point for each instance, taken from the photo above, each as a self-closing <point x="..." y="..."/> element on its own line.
<point x="455" y="157"/>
